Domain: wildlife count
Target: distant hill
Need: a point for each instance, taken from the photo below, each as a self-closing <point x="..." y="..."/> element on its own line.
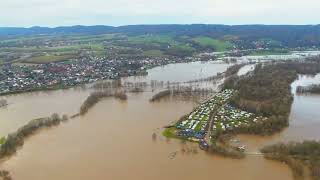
<point x="285" y="35"/>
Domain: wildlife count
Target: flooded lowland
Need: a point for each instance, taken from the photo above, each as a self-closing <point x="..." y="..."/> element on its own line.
<point x="115" y="140"/>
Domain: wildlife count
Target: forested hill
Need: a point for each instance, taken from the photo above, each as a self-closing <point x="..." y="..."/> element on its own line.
<point x="283" y="35"/>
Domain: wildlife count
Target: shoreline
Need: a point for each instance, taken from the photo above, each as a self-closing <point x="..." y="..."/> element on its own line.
<point x="60" y="87"/>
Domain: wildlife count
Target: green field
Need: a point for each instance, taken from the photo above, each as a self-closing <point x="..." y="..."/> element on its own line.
<point x="153" y="53"/>
<point x="50" y="58"/>
<point x="169" y="132"/>
<point x="52" y="48"/>
<point x="217" y="45"/>
<point x="93" y="38"/>
<point x="71" y="48"/>
<point x="180" y="50"/>
<point x="2" y="140"/>
<point x="160" y="39"/>
<point x="117" y="44"/>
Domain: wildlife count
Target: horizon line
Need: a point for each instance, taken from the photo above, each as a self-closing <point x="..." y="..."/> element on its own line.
<point x="182" y="24"/>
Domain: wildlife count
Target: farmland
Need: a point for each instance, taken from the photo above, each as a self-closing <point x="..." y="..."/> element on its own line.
<point x="46" y="48"/>
<point x="50" y="58"/>
<point x="215" y="44"/>
<point x="53" y="48"/>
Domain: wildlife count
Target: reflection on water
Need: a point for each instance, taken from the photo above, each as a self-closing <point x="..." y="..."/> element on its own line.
<point x="116" y="140"/>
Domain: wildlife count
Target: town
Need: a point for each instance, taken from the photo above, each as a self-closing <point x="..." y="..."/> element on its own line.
<point x="55" y="75"/>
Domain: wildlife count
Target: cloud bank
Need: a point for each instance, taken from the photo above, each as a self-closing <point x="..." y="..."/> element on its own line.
<point x="122" y="12"/>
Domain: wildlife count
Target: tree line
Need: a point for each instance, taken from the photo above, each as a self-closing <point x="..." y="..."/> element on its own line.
<point x="297" y="155"/>
<point x="14" y="140"/>
<point x="232" y="70"/>
<point x="314" y="89"/>
<point x="181" y="90"/>
<point x="5" y="175"/>
<point x="95" y="97"/>
<point x="267" y="92"/>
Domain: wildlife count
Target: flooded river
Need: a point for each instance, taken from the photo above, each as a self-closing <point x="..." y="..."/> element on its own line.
<point x="182" y="72"/>
<point x="114" y="140"/>
<point x="304" y="118"/>
<point x="305" y="114"/>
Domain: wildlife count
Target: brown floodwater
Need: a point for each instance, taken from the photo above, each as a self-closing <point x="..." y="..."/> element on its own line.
<point x="304" y="119"/>
<point x="114" y="140"/>
<point x="27" y="106"/>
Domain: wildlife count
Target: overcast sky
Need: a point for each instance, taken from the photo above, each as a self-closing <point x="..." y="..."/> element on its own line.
<point x="52" y="13"/>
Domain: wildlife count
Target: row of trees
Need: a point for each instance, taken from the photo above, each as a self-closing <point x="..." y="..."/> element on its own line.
<point x="16" y="139"/>
<point x="217" y="77"/>
<point x="185" y="91"/>
<point x="310" y="66"/>
<point x="95" y="97"/>
<point x="267" y="92"/>
<point x="160" y="95"/>
<point x="232" y="70"/>
<point x="107" y="84"/>
<point x="297" y="155"/>
<point x="5" y="175"/>
<point x="220" y="145"/>
<point x="314" y="88"/>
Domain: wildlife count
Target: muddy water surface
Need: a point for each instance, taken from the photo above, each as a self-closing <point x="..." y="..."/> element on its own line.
<point x="114" y="141"/>
<point x="304" y="118"/>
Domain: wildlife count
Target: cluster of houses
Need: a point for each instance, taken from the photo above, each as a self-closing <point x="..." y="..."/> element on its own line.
<point x="196" y="123"/>
<point x="229" y="118"/>
<point x="16" y="78"/>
